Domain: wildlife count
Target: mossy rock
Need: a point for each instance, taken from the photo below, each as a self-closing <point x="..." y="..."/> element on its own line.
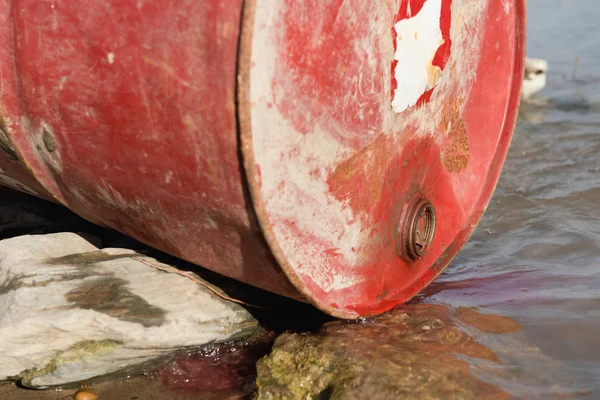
<point x="77" y="353"/>
<point x="410" y="353"/>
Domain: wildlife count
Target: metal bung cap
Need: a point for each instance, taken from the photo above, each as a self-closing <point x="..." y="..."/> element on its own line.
<point x="417" y="230"/>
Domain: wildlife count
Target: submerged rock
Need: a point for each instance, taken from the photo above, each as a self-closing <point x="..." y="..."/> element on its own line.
<point x="411" y="353"/>
<point x="70" y="312"/>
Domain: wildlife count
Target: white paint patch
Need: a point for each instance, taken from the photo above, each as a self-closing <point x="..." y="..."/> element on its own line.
<point x="417" y="40"/>
<point x="110" y="57"/>
<point x="466" y="30"/>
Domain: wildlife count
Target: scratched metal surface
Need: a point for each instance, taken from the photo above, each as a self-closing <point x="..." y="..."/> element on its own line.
<point x="138" y="99"/>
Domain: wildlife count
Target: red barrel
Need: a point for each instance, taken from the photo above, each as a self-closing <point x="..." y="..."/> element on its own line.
<point x="338" y="152"/>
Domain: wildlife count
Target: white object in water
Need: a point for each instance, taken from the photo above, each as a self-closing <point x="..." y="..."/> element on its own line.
<point x="534" y="79"/>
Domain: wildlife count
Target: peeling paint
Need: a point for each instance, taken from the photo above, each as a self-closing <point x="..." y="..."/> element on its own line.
<point x="417" y="41"/>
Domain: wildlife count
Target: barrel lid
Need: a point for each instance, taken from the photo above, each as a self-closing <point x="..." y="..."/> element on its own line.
<point x="373" y="134"/>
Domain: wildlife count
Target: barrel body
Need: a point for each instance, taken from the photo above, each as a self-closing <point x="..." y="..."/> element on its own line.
<point x="335" y="152"/>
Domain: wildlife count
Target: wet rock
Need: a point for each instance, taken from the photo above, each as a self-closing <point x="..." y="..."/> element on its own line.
<point x="417" y="352"/>
<point x="70" y="312"/>
<point x="218" y="371"/>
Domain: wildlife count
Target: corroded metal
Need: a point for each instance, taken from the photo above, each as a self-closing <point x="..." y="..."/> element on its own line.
<point x="417" y="230"/>
<point x="276" y="142"/>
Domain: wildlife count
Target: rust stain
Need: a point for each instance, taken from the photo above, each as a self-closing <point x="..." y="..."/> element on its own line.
<point x="227" y="29"/>
<point x="456" y="154"/>
<point x="358" y="180"/>
<point x="434" y="74"/>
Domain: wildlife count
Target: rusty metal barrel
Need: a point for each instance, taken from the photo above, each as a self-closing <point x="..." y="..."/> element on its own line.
<point x="336" y="152"/>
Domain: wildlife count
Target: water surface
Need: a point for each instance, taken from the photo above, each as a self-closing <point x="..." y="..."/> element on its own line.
<point x="535" y="256"/>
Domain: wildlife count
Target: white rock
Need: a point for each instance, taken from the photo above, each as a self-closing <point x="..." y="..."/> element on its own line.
<point x="69" y="311"/>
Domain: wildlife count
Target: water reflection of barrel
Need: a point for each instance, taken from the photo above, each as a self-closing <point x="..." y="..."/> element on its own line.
<point x="338" y="152"/>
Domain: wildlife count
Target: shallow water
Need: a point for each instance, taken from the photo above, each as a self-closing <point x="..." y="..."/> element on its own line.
<point x="535" y="256"/>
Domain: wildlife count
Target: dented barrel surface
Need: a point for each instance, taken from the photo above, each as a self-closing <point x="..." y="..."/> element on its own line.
<point x="339" y="152"/>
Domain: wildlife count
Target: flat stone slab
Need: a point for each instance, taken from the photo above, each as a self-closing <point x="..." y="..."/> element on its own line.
<point x="70" y="311"/>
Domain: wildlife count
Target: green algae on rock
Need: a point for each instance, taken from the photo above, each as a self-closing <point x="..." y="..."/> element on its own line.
<point x="77" y="353"/>
<point x="413" y="352"/>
